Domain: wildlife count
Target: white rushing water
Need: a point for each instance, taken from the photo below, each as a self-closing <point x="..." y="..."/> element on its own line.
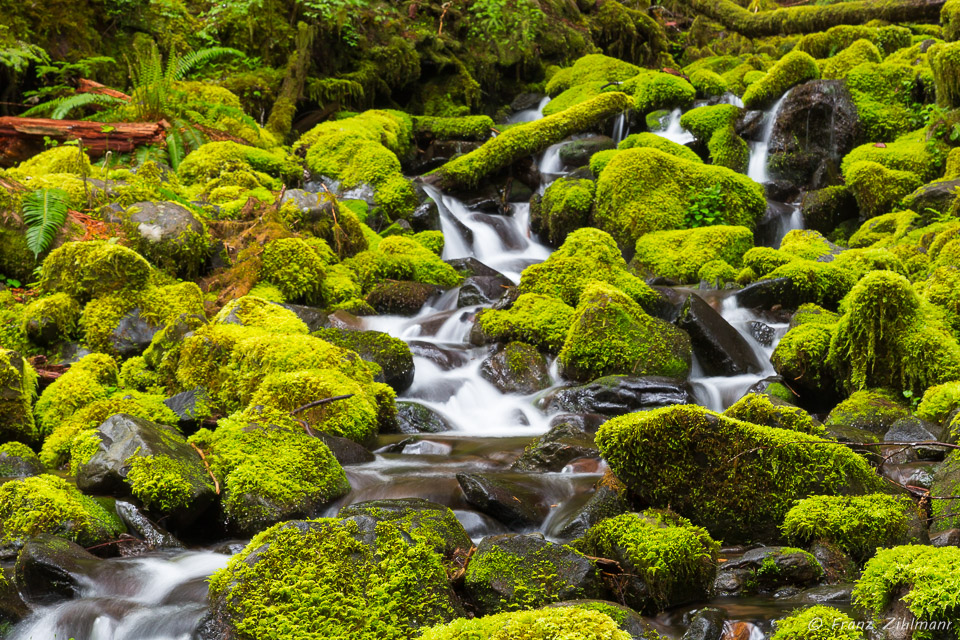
<point x="673" y="131"/>
<point x="529" y="115"/>
<point x="759" y="151"/>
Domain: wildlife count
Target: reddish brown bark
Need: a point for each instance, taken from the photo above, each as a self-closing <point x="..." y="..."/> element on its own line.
<point x="20" y="138"/>
<point x="89" y="86"/>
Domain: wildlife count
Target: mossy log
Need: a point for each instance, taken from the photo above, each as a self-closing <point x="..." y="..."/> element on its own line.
<point x="22" y="138"/>
<point x="808" y="19"/>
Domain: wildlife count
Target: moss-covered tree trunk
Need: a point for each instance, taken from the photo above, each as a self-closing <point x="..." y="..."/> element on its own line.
<point x="808" y="19"/>
<point x="285" y="106"/>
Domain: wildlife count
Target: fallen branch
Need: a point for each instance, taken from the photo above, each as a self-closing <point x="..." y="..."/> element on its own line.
<point x="311" y="405"/>
<point x="203" y="458"/>
<point x="89" y="86"/>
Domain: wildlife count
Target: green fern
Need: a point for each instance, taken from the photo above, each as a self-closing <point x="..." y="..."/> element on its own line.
<point x="44" y="212"/>
<point x="60" y="108"/>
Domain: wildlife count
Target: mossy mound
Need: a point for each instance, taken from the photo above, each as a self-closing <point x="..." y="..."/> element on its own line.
<point x="792" y="69"/>
<point x="296" y="268"/>
<point x="18" y="460"/>
<point x="391" y="354"/>
<point x="878" y="189"/>
<point x="654" y="90"/>
<point x="939" y="401"/>
<point x="857" y="53"/>
<point x="258" y="313"/>
<point x="564" y="208"/>
<point x="802" y="358"/>
<point x="84" y="383"/>
<point x="945" y="64"/>
<point x="818" y="623"/>
<point x="219" y="163"/>
<point x="770" y="411"/>
<point x="86" y="270"/>
<point x="269" y="469"/>
<point x="703" y="122"/>
<point x="883" y="95"/>
<point x="48" y="504"/>
<point x="680" y="254"/>
<point x="425" y="265"/>
<point x="652" y="140"/>
<point x="671" y="560"/>
<point x="18" y="390"/>
<point x="736" y="502"/>
<point x="708" y="84"/>
<point x="873" y="410"/>
<point x="543" y="624"/>
<point x="50" y="319"/>
<point x="540" y="320"/>
<point x="591" y="68"/>
<point x="857" y="525"/>
<point x="332" y="578"/>
<point x="611" y="334"/>
<point x="644" y="190"/>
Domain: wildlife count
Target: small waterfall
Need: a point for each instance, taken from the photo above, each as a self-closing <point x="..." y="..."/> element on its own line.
<point x="731" y="98"/>
<point x="674" y="131"/>
<point x="757" y="169"/>
<point x="550" y="164"/>
<point x="529" y="115"/>
<point x="790" y="222"/>
<point x="621" y="128"/>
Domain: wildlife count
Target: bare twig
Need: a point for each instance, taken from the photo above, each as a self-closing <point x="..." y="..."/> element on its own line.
<point x="203" y="458"/>
<point x="311" y="405"/>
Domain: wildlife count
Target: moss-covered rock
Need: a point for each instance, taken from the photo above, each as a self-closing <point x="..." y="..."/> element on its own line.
<point x="563" y="208"/>
<point x="333" y="578"/>
<point x="540" y="320"/>
<point x="818" y="623"/>
<point x="541" y="624"/>
<point x="680" y="254"/>
<point x="792" y="69"/>
<point x="426" y="266"/>
<point x="647" y="139"/>
<point x="939" y="401"/>
<point x="644" y="190"/>
<point x="517" y="368"/>
<point x="946" y="482"/>
<point x="86" y="270"/>
<point x="17" y="460"/>
<point x="729" y="150"/>
<point x="169" y="235"/>
<point x="612" y="334"/>
<point x="878" y="189"/>
<point x="770" y="411"/>
<point x="873" y="410"/>
<point x="85" y="382"/>
<point x="859" y="52"/>
<point x="591" y="68"/>
<point x="296" y="268"/>
<point x="736" y="502"/>
<point x="704" y="121"/>
<point x="216" y="160"/>
<point x="883" y="95"/>
<point x="50" y="319"/>
<point x="669" y="560"/>
<point x="18" y="390"/>
<point x="945" y="64"/>
<point x="48" y="504"/>
<point x="708" y="84"/>
<point x="857" y="525"/>
<point x="391" y="354"/>
<point x="801" y="357"/>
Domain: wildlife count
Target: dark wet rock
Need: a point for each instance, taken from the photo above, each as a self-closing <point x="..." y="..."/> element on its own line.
<point x="391" y="354"/>
<point x="948" y="538"/>
<point x="577" y="153"/>
<point x="769" y="227"/>
<point x="720" y="348"/>
<point x="781" y="190"/>
<point x="922" y="478"/>
<point x="432" y="520"/>
<point x="767" y="570"/>
<point x="191" y="406"/>
<point x="477" y="290"/>
<point x="824" y="209"/>
<point x="426" y="217"/>
<point x="607" y="501"/>
<point x="153" y="536"/>
<point x="831" y="594"/>
<point x="50" y="569"/>
<point x="413" y="417"/>
<point x="344" y="320"/>
<point x="586" y="422"/>
<point x="617" y="395"/>
<point x="18" y="461"/>
<point x="526" y="101"/>
<point x="133" y="334"/>
<point x="514" y="570"/>
<point x="504" y="497"/>
<point x="938" y="196"/>
<point x="626" y="618"/>
<point x="445" y="358"/>
<point x="816" y="126"/>
<point x="401" y="297"/>
<point x="311" y="316"/>
<point x="553" y="450"/>
<point x="750" y="125"/>
<point x="837" y="565"/>
<point x="707" y="624"/>
<point x="516" y="368"/>
<point x="763" y="385"/>
<point x="345" y="450"/>
<point x="123" y="437"/>
<point x="913" y="429"/>
<point x="472" y="267"/>
<point x="767" y="294"/>
<point x="12" y="607"/>
<point x="761" y="332"/>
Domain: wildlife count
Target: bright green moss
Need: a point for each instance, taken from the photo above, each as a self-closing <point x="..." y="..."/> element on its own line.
<point x="564" y="208"/>
<point x="823" y="44"/>
<point x="945" y="63"/>
<point x="939" y="401"/>
<point x="794" y="68"/>
<point x="86" y="270"/>
<point x="653" y="90"/>
<point x="950" y="19"/>
<point x="909" y="152"/>
<point x="809" y="313"/>
<point x="250" y="311"/>
<point x="703" y="122"/>
<point x="591" y="68"/>
<point x="612" y="334"/>
<point x="818" y="623"/>
<point x="679" y="255"/>
<point x="759" y="409"/>
<point x="857" y="525"/>
<point x="268" y="292"/>
<point x="426" y="265"/>
<point x="873" y="410"/>
<point x="575" y="95"/>
<point x="737" y="502"/>
<point x="540" y="320"/>
<point x="164" y="484"/>
<point x="883" y="230"/>
<point x="464" y="128"/>
<point x="820" y="282"/>
<point x="600" y="160"/>
<point x="882" y="94"/>
<point x="587" y="255"/>
<point x="432" y="240"/>
<point x="85" y="382"/>
<point x="862" y="261"/>
<point x="219" y="159"/>
<point x="22" y="455"/>
<point x="888" y="337"/>
<point x="340" y="287"/>
<point x="51" y="318"/>
<point x="801" y="357"/>
<point x="675" y="559"/>
<point x="136" y="374"/>
<point x="295" y="268"/>
<point x="857" y="53"/>
<point x="67" y="159"/>
<point x="18" y="390"/>
<point x="269" y="468"/>
<point x="542" y="624"/>
<point x="708" y="84"/>
<point x="370" y="268"/>
<point x="716" y="272"/>
<point x="764" y="260"/>
<point x="327" y="579"/>
<point x="806" y="244"/>
<point x="47" y="504"/>
<point x="644" y="190"/>
<point x="729" y="150"/>
<point x="654" y="141"/>
<point x="929" y="575"/>
<point x="942" y="289"/>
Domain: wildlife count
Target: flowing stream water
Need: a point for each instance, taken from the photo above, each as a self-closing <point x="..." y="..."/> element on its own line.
<point x="162" y="596"/>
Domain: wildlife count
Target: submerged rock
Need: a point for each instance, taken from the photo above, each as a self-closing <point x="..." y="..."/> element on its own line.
<point x="50" y="569"/>
<point x="555" y="449"/>
<point x="505" y="497"/>
<point x="618" y="395"/>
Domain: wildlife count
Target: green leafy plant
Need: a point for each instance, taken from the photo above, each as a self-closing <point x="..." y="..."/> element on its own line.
<point x="912" y="399"/>
<point x="13" y="283"/>
<point x="44" y="212"/>
<point x="706" y="208"/>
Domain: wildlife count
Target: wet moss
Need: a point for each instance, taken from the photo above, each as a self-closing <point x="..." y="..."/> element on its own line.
<point x="542" y="624"/>
<point x="540" y="320"/>
<point x="801" y="357"/>
<point x="761" y="409"/>
<point x="654" y="141"/>
<point x="820" y="282"/>
<point x="806" y="244"/>
<point x="295" y="268"/>
<point x="679" y="255"/>
<point x="873" y="410"/>
<point x="464" y="128"/>
<point x="945" y="63"/>
<point x="818" y="623"/>
<point x="703" y="122"/>
<point x="86" y="270"/>
<point x="85" y="382"/>
<point x="859" y="52"/>
<point x="792" y="69"/>
<point x="564" y="208"/>
<point x="426" y="266"/>
<point x="217" y="160"/>
<point x="18" y="390"/>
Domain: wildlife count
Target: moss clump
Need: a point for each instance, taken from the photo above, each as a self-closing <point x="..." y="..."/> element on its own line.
<point x="737" y="502"/>
<point x="653" y="90"/>
<point x="857" y="53"/>
<point x="50" y="319"/>
<point x="136" y="374"/>
<point x="873" y="410"/>
<point x="47" y="504"/>
<point x="888" y="337"/>
<point x="83" y="383"/>
<point x="765" y="410"/>
<point x="295" y="268"/>
<point x="708" y="84"/>
<point x="218" y="160"/>
<point x="612" y="334"/>
<point x="564" y="208"/>
<point x="251" y="311"/>
<point x="16" y="458"/>
<point x="542" y="624"/>
<point x="703" y="122"/>
<point x="586" y="256"/>
<point x="765" y="260"/>
<point x="729" y="150"/>
<point x="909" y="152"/>
<point x="645" y="190"/>
<point x="58" y="160"/>
<point x="857" y="525"/>
<point x="883" y="95"/>
<point x="391" y="354"/>
<point x="883" y="230"/>
<point x="464" y="128"/>
<point x="930" y="577"/>
<point x="716" y="272"/>
<point x="945" y="63"/>
<point x="426" y="266"/>
<point x="18" y="390"/>
<point x="432" y="240"/>
<point x="675" y="560"/>
<point x="86" y="270"/>
<point x="801" y="357"/>
<point x="329" y="578"/>
<point x="164" y="484"/>
<point x="794" y="68"/>
<point x="654" y="141"/>
<point x="806" y="244"/>
<point x="939" y="401"/>
<point x="269" y="469"/>
<point x="591" y="68"/>
<point x="540" y="320"/>
<point x="818" y="623"/>
<point x="575" y="95"/>
<point x="878" y="189"/>
<point x="823" y="283"/>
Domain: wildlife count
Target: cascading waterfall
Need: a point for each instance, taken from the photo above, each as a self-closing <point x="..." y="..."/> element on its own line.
<point x="757" y="169"/>
<point x="673" y="131"/>
<point x="621" y="127"/>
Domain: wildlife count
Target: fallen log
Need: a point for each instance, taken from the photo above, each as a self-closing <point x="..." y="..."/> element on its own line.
<point x="90" y="86"/>
<point x="808" y="19"/>
<point x="21" y="138"/>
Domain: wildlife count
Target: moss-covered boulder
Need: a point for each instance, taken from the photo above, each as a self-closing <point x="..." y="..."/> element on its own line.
<point x="704" y="121"/>
<point x="516" y="368"/>
<point x="86" y="270"/>
<point x="643" y="190"/>
<point x="333" y="578"/>
<point x="541" y="624"/>
<point x="768" y="570"/>
<point x="794" y="68"/>
<point x="946" y="482"/>
<point x="770" y="411"/>
<point x="51" y="319"/>
<point x="857" y="525"/>
<point x="169" y="235"/>
<point x="17" y="460"/>
<point x="801" y="357"/>
<point x="679" y="255"/>
<point x="18" y="390"/>
<point x="48" y="504"/>
<point x="736" y="502"/>
<point x="877" y="188"/>
<point x="874" y="410"/>
<point x="667" y="560"/>
<point x="84" y="382"/>
<point x="510" y="572"/>
<point x="539" y="320"/>
<point x="296" y="268"/>
<point x="612" y="334"/>
<point x="563" y="208"/>
<point x="391" y="354"/>
<point x="269" y="469"/>
<point x="818" y="623"/>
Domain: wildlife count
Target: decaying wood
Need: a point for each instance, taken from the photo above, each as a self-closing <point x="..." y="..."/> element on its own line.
<point x="21" y="138"/>
<point x="89" y="86"/>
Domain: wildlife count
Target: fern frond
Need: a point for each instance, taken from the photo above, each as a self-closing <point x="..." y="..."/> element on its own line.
<point x="79" y="100"/>
<point x="175" y="148"/>
<point x="180" y="67"/>
<point x="220" y="110"/>
<point x="44" y="212"/>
